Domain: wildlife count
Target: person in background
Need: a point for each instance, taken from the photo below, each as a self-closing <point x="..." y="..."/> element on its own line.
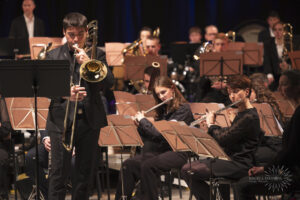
<point x="195" y="35"/>
<point x="268" y="33"/>
<point x="153" y="46"/>
<point x="210" y="32"/>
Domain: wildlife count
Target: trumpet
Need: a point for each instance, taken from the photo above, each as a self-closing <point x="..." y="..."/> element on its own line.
<point x="203" y="118"/>
<point x="231" y="36"/>
<point x="91" y="71"/>
<point x="45" y="49"/>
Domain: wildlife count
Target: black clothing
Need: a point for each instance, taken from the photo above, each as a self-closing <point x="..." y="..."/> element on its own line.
<point x="87" y="130"/>
<point x="239" y="142"/>
<point x="5" y="129"/>
<point x="286" y="158"/>
<point x="156" y="157"/>
<point x="18" y="28"/>
<point x="264" y="35"/>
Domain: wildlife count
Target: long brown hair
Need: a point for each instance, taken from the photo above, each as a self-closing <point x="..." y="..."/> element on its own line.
<point x="178" y="100"/>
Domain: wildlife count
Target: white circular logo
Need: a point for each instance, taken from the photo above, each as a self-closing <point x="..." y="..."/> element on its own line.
<point x="278" y="178"/>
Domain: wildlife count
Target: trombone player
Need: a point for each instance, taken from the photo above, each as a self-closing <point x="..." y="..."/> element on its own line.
<point x="90" y="114"/>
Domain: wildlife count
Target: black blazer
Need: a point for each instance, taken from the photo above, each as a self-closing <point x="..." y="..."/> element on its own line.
<point x="264" y="35"/>
<point x="92" y="104"/>
<point x="271" y="60"/>
<point x="18" y="28"/>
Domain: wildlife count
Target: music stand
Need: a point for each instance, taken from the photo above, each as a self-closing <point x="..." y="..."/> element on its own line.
<point x="295" y="59"/>
<point x="120" y="132"/>
<point x="130" y="104"/>
<point x="180" y="52"/>
<point x="33" y="78"/>
<point x="114" y="55"/>
<point x="10" y="47"/>
<point x="285" y="106"/>
<point x="221" y="64"/>
<point x="200" y="109"/>
<point x="268" y="122"/>
<point x="135" y="66"/>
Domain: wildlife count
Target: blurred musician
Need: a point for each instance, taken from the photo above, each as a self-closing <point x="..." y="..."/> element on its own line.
<point x="145" y="33"/>
<point x="5" y="129"/>
<point x="153" y="46"/>
<point x="195" y="35"/>
<point x="210" y="32"/>
<point x="156" y="154"/>
<point x="239" y="142"/>
<point x="273" y="52"/>
<point x="267" y="34"/>
<point x="220" y="43"/>
<point x="289" y="86"/>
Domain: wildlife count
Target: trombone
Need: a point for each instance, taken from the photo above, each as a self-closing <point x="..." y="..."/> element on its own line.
<point x="91" y="71"/>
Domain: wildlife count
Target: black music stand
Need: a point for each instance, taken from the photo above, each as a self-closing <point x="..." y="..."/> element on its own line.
<point x="11" y="46"/>
<point x="33" y="78"/>
<point x="180" y="52"/>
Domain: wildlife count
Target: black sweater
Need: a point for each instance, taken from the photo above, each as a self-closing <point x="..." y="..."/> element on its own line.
<point x="241" y="139"/>
<point x="152" y="138"/>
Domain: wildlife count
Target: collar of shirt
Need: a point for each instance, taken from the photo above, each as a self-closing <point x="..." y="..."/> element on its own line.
<point x="30" y="25"/>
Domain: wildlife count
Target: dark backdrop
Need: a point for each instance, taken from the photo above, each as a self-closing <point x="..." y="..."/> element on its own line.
<point x="120" y="20"/>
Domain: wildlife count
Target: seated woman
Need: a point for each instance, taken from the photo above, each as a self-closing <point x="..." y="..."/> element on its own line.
<point x="239" y="141"/>
<point x="156" y="154"/>
<point x="287" y="158"/>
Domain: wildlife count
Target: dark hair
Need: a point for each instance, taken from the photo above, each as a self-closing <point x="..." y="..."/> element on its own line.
<point x="273" y="13"/>
<point x="153" y="72"/>
<point x="146" y="28"/>
<point x="148" y="70"/>
<point x="280" y="22"/>
<point x="164" y="81"/>
<point x="31" y="0"/>
<point x="195" y="29"/>
<point x="240" y="82"/>
<point x="74" y="19"/>
<point x="154" y="38"/>
<point x="293" y="90"/>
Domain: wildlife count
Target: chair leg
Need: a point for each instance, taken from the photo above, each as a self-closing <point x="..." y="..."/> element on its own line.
<point x="170" y="185"/>
<point x="98" y="182"/>
<point x="179" y="184"/>
<point x="107" y="174"/>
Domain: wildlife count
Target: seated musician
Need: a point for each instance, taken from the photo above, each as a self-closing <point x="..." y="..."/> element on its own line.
<point x="145" y="33"/>
<point x="153" y="46"/>
<point x="289" y="86"/>
<point x="156" y="154"/>
<point x="5" y="129"/>
<point x="239" y="141"/>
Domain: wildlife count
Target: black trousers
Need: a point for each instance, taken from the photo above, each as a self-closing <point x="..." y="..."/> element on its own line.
<point x="4" y="165"/>
<point x="146" y="168"/>
<point x="86" y="158"/>
<point x="201" y="172"/>
<point x="30" y="165"/>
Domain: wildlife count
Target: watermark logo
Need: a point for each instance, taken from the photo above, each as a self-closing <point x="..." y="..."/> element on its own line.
<point x="279" y="178"/>
<point x="275" y="178"/>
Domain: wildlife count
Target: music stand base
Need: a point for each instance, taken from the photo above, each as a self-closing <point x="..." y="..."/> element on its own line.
<point x="33" y="194"/>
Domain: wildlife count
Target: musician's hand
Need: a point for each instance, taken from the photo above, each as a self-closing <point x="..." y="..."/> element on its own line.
<point x="231" y="114"/>
<point x="256" y="170"/>
<point x="210" y="118"/>
<point x="76" y="89"/>
<point x="47" y="144"/>
<point x="270" y="78"/>
<point x="139" y="116"/>
<point x="80" y="55"/>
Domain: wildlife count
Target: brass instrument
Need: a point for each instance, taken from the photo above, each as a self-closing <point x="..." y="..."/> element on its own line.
<point x="156" y="32"/>
<point x="133" y="48"/>
<point x="287" y="41"/>
<point x="204" y="48"/>
<point x="45" y="49"/>
<point x="231" y="36"/>
<point x="203" y="118"/>
<point x="91" y="71"/>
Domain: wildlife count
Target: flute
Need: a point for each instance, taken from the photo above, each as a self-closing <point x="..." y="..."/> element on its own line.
<point x="158" y="105"/>
<point x="203" y="118"/>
